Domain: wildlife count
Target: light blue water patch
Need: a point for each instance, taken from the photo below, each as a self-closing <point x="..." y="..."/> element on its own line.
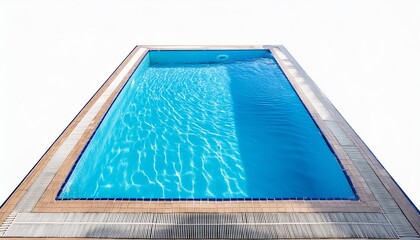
<point x="192" y="124"/>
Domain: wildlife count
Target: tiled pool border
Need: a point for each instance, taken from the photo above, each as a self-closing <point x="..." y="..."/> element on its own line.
<point x="362" y="205"/>
<point x="349" y="149"/>
<point x="355" y="198"/>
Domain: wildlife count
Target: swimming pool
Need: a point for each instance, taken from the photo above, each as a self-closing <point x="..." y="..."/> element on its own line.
<point x="209" y="124"/>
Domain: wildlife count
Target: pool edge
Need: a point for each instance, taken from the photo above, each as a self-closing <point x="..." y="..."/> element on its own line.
<point x="397" y="193"/>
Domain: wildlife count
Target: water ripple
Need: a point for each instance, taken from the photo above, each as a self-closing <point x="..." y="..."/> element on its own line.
<point x="192" y="131"/>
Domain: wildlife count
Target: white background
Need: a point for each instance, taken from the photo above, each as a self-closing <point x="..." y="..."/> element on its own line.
<point x="364" y="55"/>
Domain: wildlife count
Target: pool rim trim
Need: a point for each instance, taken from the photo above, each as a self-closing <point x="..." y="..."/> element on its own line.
<point x="315" y="121"/>
<point x="364" y="203"/>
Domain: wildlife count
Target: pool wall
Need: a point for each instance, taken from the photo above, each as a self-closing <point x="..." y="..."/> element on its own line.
<point x="199" y="56"/>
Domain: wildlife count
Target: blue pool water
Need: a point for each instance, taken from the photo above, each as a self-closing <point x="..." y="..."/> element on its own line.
<point x="207" y="125"/>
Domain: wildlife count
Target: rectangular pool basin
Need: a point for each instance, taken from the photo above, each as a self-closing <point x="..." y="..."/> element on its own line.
<point x="207" y="124"/>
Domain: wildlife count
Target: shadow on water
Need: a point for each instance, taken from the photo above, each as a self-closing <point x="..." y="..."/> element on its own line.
<point x="282" y="149"/>
<point x="258" y="127"/>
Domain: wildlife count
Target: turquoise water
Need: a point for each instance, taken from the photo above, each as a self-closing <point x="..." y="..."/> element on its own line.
<point x="207" y="125"/>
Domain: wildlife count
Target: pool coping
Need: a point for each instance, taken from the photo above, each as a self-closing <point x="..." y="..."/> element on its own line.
<point x="359" y="163"/>
<point x="58" y="198"/>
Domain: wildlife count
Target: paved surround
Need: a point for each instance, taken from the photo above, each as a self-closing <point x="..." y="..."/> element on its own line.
<point x="206" y="225"/>
<point x="383" y="211"/>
